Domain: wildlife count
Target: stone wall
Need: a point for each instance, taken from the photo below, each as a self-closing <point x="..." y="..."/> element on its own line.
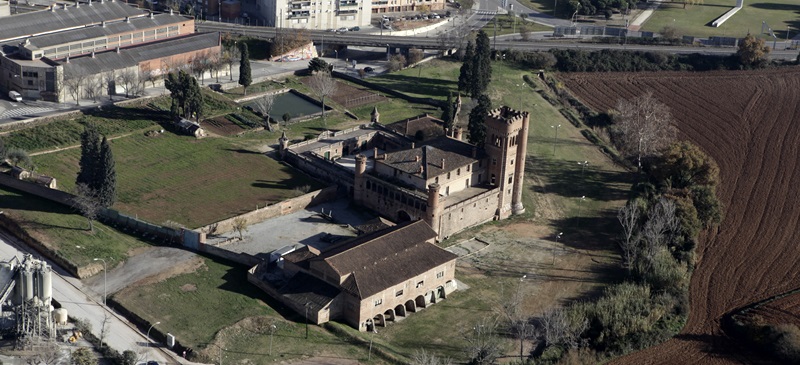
<point x="468" y="213"/>
<point x="276" y="210"/>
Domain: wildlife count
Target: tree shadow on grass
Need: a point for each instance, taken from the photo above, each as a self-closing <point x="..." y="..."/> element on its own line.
<point x="243" y="151"/>
<point x="31" y="203"/>
<point x="420" y="85"/>
<point x="778" y="7"/>
<point x="589" y="233"/>
<point x="116" y="112"/>
<point x="570" y="179"/>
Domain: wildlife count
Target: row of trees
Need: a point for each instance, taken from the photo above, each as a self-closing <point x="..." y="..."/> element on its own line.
<point x="96" y="183"/>
<point x="473" y="80"/>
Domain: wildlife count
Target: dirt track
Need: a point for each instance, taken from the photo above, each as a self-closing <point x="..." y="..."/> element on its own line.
<point x="748" y="122"/>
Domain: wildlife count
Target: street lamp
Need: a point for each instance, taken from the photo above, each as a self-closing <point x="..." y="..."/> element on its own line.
<point x="148" y="336"/>
<point x="272" y="329"/>
<point x="219" y="351"/>
<point x="558" y="236"/>
<point x="556" y="127"/>
<point x="105" y="280"/>
<point x="374" y="331"/>
<point x="308" y="304"/>
<point x="583" y="167"/>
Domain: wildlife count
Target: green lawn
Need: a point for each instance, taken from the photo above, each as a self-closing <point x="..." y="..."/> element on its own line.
<point x="557" y="179"/>
<point x="65" y="232"/>
<point x="508" y="26"/>
<point x="206" y="305"/>
<point x="433" y="79"/>
<point x="696" y="20"/>
<point x="185" y="180"/>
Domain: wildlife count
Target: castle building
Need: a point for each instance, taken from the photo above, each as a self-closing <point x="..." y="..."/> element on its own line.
<point x="404" y="176"/>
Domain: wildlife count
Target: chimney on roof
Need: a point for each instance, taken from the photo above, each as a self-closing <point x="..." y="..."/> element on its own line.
<point x="66" y="60"/>
<point x="53" y="7"/>
<point x="127" y="19"/>
<point x="103" y="24"/>
<point x="170" y="12"/>
<point x="64" y="6"/>
<point x="413" y="145"/>
<point x="92" y="54"/>
<point x="89" y="2"/>
<point x="152" y="15"/>
<point x="421" y="168"/>
<point x="442" y="164"/>
<point x="374" y="153"/>
<point x="117" y="49"/>
<point x="77" y="4"/>
<point x="416" y="158"/>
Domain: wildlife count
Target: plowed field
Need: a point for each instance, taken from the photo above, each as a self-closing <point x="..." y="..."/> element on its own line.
<point x="749" y="122"/>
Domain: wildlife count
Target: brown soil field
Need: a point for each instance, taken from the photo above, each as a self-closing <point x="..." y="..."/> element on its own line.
<point x="747" y="121"/>
<point x="350" y="96"/>
<point x="222" y="126"/>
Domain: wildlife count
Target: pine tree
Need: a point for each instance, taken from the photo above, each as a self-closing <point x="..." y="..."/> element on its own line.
<point x="107" y="189"/>
<point x="481" y="65"/>
<point x="465" y="77"/>
<point x="90" y="152"/>
<point x="245" y="78"/>
<point x="448" y="114"/>
<point x="477" y="125"/>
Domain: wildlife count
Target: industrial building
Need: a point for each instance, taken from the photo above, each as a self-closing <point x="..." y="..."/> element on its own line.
<point x="40" y="50"/>
<point x="316" y="15"/>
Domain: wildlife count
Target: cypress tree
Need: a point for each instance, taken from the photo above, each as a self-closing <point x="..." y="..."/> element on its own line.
<point x="465" y="77"/>
<point x="107" y="189"/>
<point x="244" y="68"/>
<point x="477" y="125"/>
<point x="448" y="114"/>
<point x="481" y="65"/>
<point x="90" y="153"/>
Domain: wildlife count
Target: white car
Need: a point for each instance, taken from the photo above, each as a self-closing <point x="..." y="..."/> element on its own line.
<point x="342" y="30"/>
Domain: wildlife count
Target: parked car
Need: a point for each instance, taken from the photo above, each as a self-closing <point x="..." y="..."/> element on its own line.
<point x="15" y="96"/>
<point x="369" y="69"/>
<point x="435" y="16"/>
<point x="355" y="29"/>
<point x="342" y="30"/>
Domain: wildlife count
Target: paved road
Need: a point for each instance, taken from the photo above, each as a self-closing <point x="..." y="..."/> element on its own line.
<point x="69" y="292"/>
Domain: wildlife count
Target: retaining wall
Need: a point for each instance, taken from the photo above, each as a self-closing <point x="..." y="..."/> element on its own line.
<point x="278" y="209"/>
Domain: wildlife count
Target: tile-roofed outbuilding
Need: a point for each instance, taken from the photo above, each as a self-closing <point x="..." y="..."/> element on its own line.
<point x="385" y="258"/>
<point x="428" y="158"/>
<point x="304" y="288"/>
<point x="61" y="18"/>
<point x="128" y="57"/>
<point x="99" y="31"/>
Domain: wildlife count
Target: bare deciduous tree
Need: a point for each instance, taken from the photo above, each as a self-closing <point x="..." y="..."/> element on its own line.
<point x="644" y="125"/>
<point x="88" y="203"/>
<point x="74" y="82"/>
<point x="240" y="226"/>
<point x="104" y="327"/>
<point x="215" y="64"/>
<point x="661" y="226"/>
<point x="110" y="80"/>
<point x="628" y="217"/>
<point x="322" y="84"/>
<point x="483" y="347"/>
<point x="129" y="80"/>
<point x="147" y="74"/>
<point x="556" y="328"/>
<point x="49" y="355"/>
<point x="94" y="87"/>
<point x="231" y="57"/>
<point x="263" y="104"/>
<point x="422" y="357"/>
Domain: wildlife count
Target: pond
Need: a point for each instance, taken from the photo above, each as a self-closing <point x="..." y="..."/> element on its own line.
<point x="290" y="102"/>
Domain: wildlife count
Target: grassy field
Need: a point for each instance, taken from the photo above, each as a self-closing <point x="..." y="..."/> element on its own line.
<point x="507" y="26"/>
<point x="555" y="185"/>
<point x="65" y="232"/>
<point x="240" y="321"/>
<point x="192" y="182"/>
<point x="696" y="20"/>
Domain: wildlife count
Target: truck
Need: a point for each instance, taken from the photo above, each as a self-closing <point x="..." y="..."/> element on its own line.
<point x="14" y="96"/>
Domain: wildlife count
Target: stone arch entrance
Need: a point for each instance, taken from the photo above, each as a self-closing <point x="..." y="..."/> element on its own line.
<point x="402" y="216"/>
<point x="440" y="292"/>
<point x="379" y="320"/>
<point x="400" y="310"/>
<point x="411" y="306"/>
<point x="346" y="150"/>
<point x="389" y="315"/>
<point x="420" y="301"/>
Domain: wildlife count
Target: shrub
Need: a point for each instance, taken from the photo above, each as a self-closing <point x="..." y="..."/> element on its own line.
<point x="785" y="339"/>
<point x="396" y="63"/>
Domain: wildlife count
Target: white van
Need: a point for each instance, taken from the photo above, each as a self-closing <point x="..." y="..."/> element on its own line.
<point x="14" y="96"/>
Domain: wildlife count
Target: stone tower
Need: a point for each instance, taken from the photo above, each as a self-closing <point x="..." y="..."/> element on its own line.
<point x="434" y="211"/>
<point x="506" y="144"/>
<point x="375" y="116"/>
<point x="359" y="182"/>
<point x="283" y="145"/>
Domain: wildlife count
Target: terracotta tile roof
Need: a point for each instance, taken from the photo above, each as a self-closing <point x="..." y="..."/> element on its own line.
<point x="431" y="127"/>
<point x="428" y="158"/>
<point x="374" y="225"/>
<point x="385" y="258"/>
